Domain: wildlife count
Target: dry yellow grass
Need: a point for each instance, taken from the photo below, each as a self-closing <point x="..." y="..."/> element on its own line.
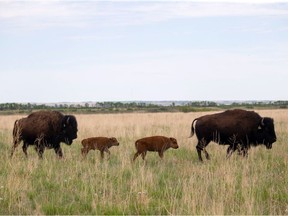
<point x="178" y="184"/>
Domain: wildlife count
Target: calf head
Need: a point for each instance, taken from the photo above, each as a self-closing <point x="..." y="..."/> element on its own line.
<point x="69" y="129"/>
<point x="266" y="132"/>
<point x="114" y="141"/>
<point x="173" y="143"/>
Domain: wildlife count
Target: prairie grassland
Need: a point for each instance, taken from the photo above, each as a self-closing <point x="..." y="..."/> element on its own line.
<point x="178" y="184"/>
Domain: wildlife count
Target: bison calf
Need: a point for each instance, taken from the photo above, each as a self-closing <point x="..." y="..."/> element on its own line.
<point x="100" y="143"/>
<point x="154" y="143"/>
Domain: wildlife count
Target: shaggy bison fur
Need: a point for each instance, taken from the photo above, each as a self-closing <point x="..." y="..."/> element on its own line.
<point x="44" y="129"/>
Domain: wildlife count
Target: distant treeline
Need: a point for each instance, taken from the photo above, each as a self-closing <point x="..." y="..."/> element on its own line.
<point x="126" y="107"/>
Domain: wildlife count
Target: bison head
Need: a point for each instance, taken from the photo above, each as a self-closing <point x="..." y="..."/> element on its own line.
<point x="173" y="143"/>
<point x="69" y="129"/>
<point x="266" y="133"/>
<point x="114" y="141"/>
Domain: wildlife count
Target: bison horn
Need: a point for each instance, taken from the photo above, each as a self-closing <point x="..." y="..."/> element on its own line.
<point x="68" y="120"/>
<point x="262" y="122"/>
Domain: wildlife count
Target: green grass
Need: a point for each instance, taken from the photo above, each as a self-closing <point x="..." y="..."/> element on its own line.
<point x="178" y="184"/>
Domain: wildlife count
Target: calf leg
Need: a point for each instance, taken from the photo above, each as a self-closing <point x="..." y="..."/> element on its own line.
<point x="161" y="154"/>
<point x="102" y="154"/>
<point x="143" y="155"/>
<point x="136" y="155"/>
<point x="108" y="152"/>
<point x="84" y="151"/>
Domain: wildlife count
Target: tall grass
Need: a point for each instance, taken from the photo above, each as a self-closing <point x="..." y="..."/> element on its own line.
<point x="178" y="184"/>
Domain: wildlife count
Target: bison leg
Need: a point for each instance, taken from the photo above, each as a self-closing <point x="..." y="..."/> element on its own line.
<point x="230" y="150"/>
<point x="206" y="154"/>
<point x="108" y="152"/>
<point x="199" y="149"/>
<point x="16" y="142"/>
<point x="58" y="151"/>
<point x="13" y="149"/>
<point x="102" y="154"/>
<point x="143" y="155"/>
<point x="136" y="155"/>
<point x="40" y="151"/>
<point x="161" y="154"/>
<point x="84" y="152"/>
<point x="200" y="146"/>
<point x="245" y="152"/>
<point x="24" y="148"/>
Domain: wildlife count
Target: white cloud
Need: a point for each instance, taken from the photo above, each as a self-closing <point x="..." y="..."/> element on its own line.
<point x="43" y="14"/>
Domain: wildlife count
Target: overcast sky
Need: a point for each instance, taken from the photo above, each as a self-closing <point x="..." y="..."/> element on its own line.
<point x="75" y="51"/>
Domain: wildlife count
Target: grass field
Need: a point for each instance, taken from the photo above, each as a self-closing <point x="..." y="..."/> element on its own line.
<point x="178" y="184"/>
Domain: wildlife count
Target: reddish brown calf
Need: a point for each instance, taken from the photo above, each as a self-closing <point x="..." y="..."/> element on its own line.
<point x="100" y="143"/>
<point x="154" y="143"/>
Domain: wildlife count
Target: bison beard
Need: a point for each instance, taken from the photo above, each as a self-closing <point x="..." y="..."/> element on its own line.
<point x="44" y="129"/>
<point x="240" y="129"/>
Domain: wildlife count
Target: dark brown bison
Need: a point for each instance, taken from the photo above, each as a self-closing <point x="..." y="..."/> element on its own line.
<point x="240" y="129"/>
<point x="100" y="143"/>
<point x="44" y="129"/>
<point x="154" y="143"/>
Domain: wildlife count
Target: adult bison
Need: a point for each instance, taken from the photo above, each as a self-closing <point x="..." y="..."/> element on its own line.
<point x="240" y="129"/>
<point x="44" y="129"/>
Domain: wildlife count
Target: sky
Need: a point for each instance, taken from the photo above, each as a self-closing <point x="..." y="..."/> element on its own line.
<point x="77" y="51"/>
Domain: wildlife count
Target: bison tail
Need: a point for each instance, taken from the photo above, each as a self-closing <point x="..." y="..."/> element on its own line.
<point x="83" y="142"/>
<point x="16" y="129"/>
<point x="136" y="144"/>
<point x="193" y="126"/>
<point x="16" y="137"/>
